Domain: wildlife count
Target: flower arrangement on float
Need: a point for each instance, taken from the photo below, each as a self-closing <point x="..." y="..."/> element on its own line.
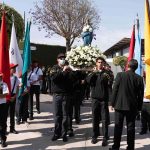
<point x="83" y="56"/>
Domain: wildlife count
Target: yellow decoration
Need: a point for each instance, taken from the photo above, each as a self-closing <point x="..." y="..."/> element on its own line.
<point x="147" y="47"/>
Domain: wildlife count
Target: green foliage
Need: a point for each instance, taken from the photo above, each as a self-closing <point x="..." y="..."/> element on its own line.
<point x="120" y="61"/>
<point x="20" y="44"/>
<point x="18" y="20"/>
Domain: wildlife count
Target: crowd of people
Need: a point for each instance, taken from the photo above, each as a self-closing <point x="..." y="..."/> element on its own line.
<point x="16" y="105"/>
<point x="69" y="88"/>
<point x="126" y="98"/>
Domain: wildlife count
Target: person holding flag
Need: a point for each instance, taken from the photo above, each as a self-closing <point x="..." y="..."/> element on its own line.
<point x="25" y="69"/>
<point x="23" y="113"/>
<point x="14" y="92"/>
<point x="3" y="110"/>
<point x="4" y="69"/>
<point x="35" y="76"/>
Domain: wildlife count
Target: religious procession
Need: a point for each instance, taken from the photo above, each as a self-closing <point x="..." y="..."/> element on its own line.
<point x="74" y="96"/>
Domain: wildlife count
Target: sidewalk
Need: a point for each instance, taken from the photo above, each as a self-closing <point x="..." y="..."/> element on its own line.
<point x="37" y="135"/>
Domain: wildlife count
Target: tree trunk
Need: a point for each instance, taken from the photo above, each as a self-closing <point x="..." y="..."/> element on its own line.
<point x="68" y="45"/>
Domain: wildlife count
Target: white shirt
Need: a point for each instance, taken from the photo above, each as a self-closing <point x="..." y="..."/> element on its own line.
<point x="34" y="75"/>
<point x="28" y="83"/>
<point x="12" y="80"/>
<point x="5" y="90"/>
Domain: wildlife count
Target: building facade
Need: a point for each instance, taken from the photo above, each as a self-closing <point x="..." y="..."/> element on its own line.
<point x="121" y="48"/>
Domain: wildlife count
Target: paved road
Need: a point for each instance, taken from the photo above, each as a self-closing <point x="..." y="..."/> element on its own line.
<point x="37" y="135"/>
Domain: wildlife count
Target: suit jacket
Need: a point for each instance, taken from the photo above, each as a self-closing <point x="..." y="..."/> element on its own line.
<point x="128" y="91"/>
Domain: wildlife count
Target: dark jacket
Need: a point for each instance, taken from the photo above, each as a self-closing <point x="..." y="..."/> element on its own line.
<point x="61" y="82"/>
<point x="78" y="77"/>
<point x="128" y="91"/>
<point x="99" y="85"/>
<point x="111" y="78"/>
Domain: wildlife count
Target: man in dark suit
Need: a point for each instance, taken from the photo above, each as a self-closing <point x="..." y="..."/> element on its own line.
<point x="127" y="98"/>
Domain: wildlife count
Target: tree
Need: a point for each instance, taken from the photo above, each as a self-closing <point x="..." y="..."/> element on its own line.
<point x="65" y="18"/>
<point x="18" y="21"/>
<point x="120" y="61"/>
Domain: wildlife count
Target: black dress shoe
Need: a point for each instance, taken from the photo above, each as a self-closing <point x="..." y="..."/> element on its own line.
<point x="78" y="121"/>
<point x="143" y="132"/>
<point x="6" y="133"/>
<point x="107" y="138"/>
<point x="13" y="131"/>
<point x="38" y="112"/>
<point x="3" y="144"/>
<point x="104" y="142"/>
<point x="18" y="123"/>
<point x="31" y="118"/>
<point x="65" y="139"/>
<point x="70" y="133"/>
<point x="94" y="140"/>
<point x="55" y="137"/>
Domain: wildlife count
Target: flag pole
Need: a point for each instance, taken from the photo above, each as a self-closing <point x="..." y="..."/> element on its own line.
<point x="24" y="19"/>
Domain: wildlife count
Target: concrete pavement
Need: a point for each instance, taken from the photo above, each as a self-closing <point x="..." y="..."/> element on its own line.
<point x="37" y="135"/>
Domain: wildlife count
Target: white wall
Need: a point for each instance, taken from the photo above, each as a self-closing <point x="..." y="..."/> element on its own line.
<point x="126" y="52"/>
<point x="115" y="69"/>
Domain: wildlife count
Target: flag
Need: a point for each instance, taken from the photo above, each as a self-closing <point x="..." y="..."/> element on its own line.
<point x="132" y="45"/>
<point x="137" y="49"/>
<point x="4" y="54"/>
<point x="26" y="59"/>
<point x="14" y="52"/>
<point x="147" y="48"/>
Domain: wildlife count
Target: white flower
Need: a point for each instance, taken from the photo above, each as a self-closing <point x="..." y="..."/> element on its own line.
<point x="83" y="56"/>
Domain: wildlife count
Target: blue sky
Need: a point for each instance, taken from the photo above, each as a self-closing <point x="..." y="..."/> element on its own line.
<point x="117" y="18"/>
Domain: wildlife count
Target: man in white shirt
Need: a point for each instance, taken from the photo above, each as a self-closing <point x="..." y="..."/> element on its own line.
<point x="14" y="91"/>
<point x="34" y="77"/>
<point x="3" y="111"/>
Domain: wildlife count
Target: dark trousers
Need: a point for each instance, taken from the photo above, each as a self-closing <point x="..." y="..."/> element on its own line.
<point x="70" y="112"/>
<point x="87" y="92"/>
<point x="11" y="109"/>
<point x="23" y="109"/>
<point x="76" y="105"/>
<point x="130" y="121"/>
<point x="35" y="89"/>
<point x="44" y="85"/>
<point x="145" y="117"/>
<point x="3" y="121"/>
<point x="49" y="84"/>
<point x="61" y="112"/>
<point x="100" y="110"/>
